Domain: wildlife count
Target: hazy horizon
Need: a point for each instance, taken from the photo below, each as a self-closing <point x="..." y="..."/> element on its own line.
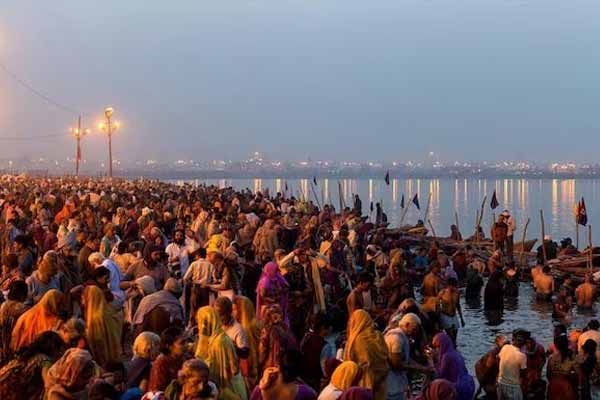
<point x="388" y="80"/>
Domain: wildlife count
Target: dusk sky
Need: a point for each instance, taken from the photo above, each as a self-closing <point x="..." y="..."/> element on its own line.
<point x="362" y="80"/>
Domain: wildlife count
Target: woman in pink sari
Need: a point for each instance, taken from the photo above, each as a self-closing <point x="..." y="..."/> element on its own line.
<point x="272" y="289"/>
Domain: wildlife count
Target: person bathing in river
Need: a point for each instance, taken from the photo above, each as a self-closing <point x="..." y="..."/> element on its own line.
<point x="585" y="293"/>
<point x="449" y="302"/>
<point x="544" y="285"/>
<point x="431" y="286"/>
<point x="562" y="304"/>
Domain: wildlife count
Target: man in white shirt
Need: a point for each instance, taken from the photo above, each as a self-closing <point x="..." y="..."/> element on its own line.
<point x="97" y="259"/>
<point x="232" y="328"/>
<point x="513" y="364"/>
<point x="177" y="252"/>
<point x="199" y="276"/>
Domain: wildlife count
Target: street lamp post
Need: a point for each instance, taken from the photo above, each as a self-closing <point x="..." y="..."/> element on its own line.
<point x="78" y="133"/>
<point x="109" y="127"/>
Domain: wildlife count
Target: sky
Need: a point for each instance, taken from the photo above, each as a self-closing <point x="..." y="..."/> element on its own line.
<point x="339" y="80"/>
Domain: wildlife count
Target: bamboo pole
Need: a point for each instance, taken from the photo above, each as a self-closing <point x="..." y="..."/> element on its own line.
<point x="315" y="194"/>
<point x="426" y="215"/>
<point x="576" y="234"/>
<point x="481" y="212"/>
<point x="523" y="243"/>
<point x="341" y="197"/>
<point x="456" y="221"/>
<point x="432" y="229"/>
<point x="477" y="228"/>
<point x="544" y="255"/>
<point x="404" y="213"/>
<point x="590" y="255"/>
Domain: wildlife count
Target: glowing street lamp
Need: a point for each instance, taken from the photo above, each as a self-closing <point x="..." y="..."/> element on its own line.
<point x="109" y="127"/>
<point x="78" y="133"/>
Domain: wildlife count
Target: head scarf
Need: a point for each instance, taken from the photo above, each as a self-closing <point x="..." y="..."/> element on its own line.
<point x="366" y="346"/>
<point x="40" y="318"/>
<point x="146" y="345"/>
<point x="217" y="350"/>
<point x="451" y="366"/>
<point x="271" y="279"/>
<point x="103" y="326"/>
<point x="69" y="371"/>
<point x="146" y="284"/>
<point x="251" y="327"/>
<point x="345" y="375"/>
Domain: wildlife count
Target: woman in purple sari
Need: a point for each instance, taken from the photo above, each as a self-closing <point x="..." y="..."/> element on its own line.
<point x="450" y="365"/>
<point x="272" y="289"/>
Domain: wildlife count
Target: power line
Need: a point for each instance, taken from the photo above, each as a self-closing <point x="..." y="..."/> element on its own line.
<point x="25" y="138"/>
<point x="36" y="92"/>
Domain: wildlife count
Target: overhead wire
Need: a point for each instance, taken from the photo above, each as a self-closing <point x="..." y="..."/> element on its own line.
<point x="38" y="93"/>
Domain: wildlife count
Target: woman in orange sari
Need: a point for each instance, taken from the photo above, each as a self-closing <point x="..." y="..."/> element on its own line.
<point x="366" y="347"/>
<point x="243" y="312"/>
<point x="40" y="318"/>
<point x="102" y="326"/>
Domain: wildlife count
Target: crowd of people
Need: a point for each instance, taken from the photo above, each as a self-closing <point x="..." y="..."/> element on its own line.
<point x="130" y="290"/>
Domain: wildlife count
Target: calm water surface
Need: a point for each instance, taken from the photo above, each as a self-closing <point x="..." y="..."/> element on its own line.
<point x="524" y="197"/>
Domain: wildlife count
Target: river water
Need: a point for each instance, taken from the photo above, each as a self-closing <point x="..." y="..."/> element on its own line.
<point x="463" y="197"/>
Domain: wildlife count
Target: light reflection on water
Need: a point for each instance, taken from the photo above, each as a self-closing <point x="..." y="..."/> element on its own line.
<point x="524" y="197"/>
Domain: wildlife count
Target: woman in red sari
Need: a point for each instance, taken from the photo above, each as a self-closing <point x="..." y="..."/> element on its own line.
<point x="562" y="371"/>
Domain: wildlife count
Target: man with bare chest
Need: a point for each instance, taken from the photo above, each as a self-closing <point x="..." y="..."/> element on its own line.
<point x="449" y="302"/>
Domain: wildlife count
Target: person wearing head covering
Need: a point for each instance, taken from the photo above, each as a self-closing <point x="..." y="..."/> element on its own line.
<point x="451" y="366"/>
<point x="103" y="326"/>
<point x="146" y="347"/>
<point x="193" y="382"/>
<point x="272" y="289"/>
<point x="10" y="311"/>
<point x="44" y="316"/>
<point x="217" y="350"/>
<point x="366" y="347"/>
<point x="69" y="377"/>
<point x="345" y="375"/>
<point x="275" y="338"/>
<point x="439" y="389"/>
<point x="166" y="299"/>
<point x="45" y="278"/>
<point x="22" y="376"/>
<point x="244" y="313"/>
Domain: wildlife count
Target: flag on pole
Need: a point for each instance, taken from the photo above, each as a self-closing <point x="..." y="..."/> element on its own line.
<point x="387" y="178"/>
<point x="581" y="213"/>
<point x="494" y="203"/>
<point x="402" y="201"/>
<point x="415" y="201"/>
<point x="315" y="180"/>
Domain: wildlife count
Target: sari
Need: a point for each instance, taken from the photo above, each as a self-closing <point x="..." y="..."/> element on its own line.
<point x="366" y="347"/>
<point x="102" y="325"/>
<point x="272" y="284"/>
<point x="40" y="318"/>
<point x="217" y="350"/>
<point x="247" y="318"/>
<point x="451" y="367"/>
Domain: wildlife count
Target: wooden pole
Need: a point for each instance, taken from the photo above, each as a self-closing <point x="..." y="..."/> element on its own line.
<point x="523" y="243"/>
<point x="576" y="234"/>
<point x="456" y="221"/>
<point x="432" y="229"/>
<point x="591" y="255"/>
<point x="426" y="215"/>
<point x="404" y="213"/>
<point x="341" y="197"/>
<point x="544" y="255"/>
<point x="315" y="194"/>
<point x="481" y="212"/>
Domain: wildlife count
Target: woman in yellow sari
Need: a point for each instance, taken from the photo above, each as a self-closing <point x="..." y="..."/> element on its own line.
<point x="366" y="347"/>
<point x="217" y="350"/>
<point x="40" y="318"/>
<point x="244" y="313"/>
<point x="102" y="326"/>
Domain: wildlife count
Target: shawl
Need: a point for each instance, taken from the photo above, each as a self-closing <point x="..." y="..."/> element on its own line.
<point x="344" y="375"/>
<point x="40" y="318"/>
<point x="271" y="279"/>
<point x="162" y="298"/>
<point x="366" y="347"/>
<point x="451" y="367"/>
<point x="217" y="350"/>
<point x="69" y="371"/>
<point x="102" y="326"/>
<point x="247" y="318"/>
